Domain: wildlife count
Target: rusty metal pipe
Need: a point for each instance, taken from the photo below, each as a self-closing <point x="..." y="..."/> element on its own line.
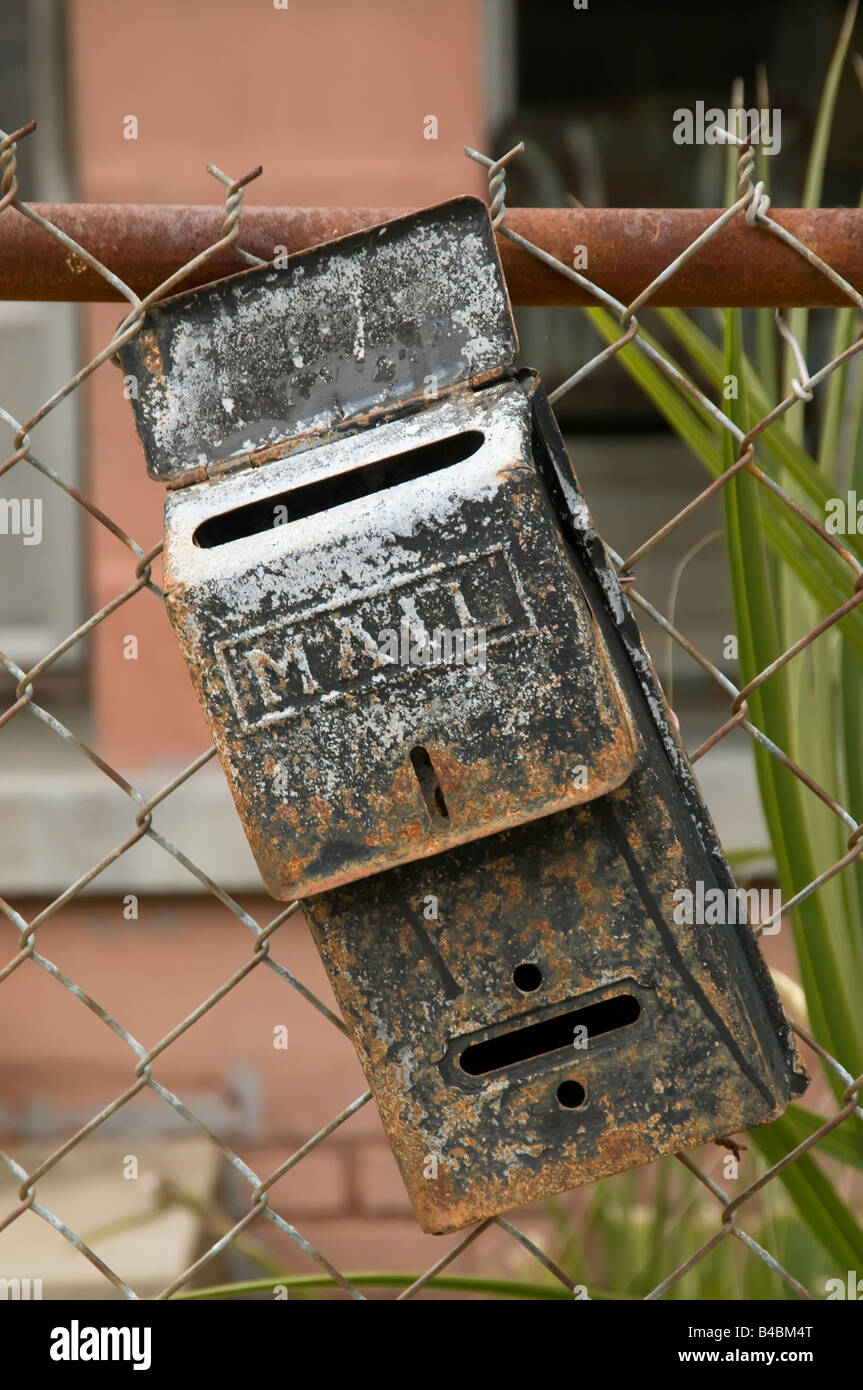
<point x="626" y="247"/>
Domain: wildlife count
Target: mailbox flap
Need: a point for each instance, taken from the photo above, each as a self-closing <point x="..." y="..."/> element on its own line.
<point x="362" y="325"/>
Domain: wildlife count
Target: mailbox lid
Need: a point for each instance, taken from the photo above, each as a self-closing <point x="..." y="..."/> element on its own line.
<point x="396" y="313"/>
<point x="321" y="724"/>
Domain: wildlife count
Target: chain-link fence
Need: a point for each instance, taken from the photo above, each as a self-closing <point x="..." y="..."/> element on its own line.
<point x="752" y="205"/>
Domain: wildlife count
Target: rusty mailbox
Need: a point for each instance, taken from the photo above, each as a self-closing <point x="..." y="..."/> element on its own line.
<point x="440" y="726"/>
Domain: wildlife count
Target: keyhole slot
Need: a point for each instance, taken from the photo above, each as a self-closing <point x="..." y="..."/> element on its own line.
<point x="429" y="784"/>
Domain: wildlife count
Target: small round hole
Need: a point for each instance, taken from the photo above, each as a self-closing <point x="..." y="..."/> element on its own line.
<point x="527" y="977"/>
<point x="570" y="1094"/>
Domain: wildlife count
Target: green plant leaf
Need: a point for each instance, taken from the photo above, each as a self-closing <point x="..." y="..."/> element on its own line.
<point x="798" y="319"/>
<point x="814" y="1196"/>
<point x="844" y="1144"/>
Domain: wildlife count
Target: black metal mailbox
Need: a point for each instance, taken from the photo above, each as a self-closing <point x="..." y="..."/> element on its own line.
<point x="439" y="723"/>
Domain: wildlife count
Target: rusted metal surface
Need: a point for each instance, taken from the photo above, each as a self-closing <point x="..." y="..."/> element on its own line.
<point x="626" y="248"/>
<point x="584" y="897"/>
<point x="488" y="852"/>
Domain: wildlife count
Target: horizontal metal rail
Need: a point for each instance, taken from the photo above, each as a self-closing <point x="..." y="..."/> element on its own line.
<point x="625" y="249"/>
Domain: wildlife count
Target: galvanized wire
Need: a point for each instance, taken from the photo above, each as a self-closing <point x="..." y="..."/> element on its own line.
<point x="753" y="206"/>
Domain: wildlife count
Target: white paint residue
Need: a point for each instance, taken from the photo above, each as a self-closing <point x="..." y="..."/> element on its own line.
<point x="359" y="348"/>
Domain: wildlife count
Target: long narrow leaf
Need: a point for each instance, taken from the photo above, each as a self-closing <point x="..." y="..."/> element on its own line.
<point x="814" y="1196"/>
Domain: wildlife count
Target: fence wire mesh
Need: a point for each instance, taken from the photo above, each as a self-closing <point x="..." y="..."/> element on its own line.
<point x="753" y="205"/>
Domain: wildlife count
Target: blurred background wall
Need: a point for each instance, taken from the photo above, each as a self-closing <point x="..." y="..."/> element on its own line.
<point x="332" y="97"/>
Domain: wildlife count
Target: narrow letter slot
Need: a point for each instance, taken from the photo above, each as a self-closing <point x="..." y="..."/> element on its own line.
<point x="327" y="493"/>
<point x="553" y="1034"/>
